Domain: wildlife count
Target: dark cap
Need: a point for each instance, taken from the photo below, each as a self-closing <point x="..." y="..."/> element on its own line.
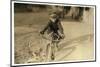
<point x="53" y="14"/>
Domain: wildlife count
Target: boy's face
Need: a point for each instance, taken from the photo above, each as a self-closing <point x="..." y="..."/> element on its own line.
<point x="53" y="19"/>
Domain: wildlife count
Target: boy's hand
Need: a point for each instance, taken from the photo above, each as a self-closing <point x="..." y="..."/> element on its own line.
<point x="41" y="32"/>
<point x="62" y="36"/>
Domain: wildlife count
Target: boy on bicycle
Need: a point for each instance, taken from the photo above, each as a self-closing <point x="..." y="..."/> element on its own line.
<point x="55" y="28"/>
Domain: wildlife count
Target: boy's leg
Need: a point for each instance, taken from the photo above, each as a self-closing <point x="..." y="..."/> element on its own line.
<point x="57" y="46"/>
<point x="53" y="51"/>
<point x="48" y="52"/>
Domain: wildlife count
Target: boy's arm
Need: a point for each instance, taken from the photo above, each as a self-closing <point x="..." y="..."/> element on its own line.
<point x="45" y="28"/>
<point x="61" y="31"/>
<point x="60" y="27"/>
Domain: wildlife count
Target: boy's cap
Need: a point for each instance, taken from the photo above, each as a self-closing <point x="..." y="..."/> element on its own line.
<point x="53" y="14"/>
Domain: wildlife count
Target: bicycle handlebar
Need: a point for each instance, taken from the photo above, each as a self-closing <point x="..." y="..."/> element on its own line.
<point x="44" y="37"/>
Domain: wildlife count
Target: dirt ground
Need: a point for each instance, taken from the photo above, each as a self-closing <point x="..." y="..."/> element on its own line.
<point x="78" y="44"/>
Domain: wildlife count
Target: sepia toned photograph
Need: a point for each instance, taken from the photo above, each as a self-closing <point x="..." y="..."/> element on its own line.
<point x="44" y="33"/>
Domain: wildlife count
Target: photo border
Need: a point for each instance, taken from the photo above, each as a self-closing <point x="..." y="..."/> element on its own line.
<point x="47" y="63"/>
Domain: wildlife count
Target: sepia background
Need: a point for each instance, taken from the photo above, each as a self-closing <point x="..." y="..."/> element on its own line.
<point x="78" y="24"/>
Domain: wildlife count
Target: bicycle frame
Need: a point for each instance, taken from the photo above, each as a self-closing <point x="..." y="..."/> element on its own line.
<point x="51" y="48"/>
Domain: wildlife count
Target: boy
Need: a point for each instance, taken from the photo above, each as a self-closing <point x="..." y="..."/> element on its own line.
<point x="54" y="28"/>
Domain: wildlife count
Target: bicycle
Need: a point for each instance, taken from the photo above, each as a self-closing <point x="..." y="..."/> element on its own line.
<point x="51" y="47"/>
